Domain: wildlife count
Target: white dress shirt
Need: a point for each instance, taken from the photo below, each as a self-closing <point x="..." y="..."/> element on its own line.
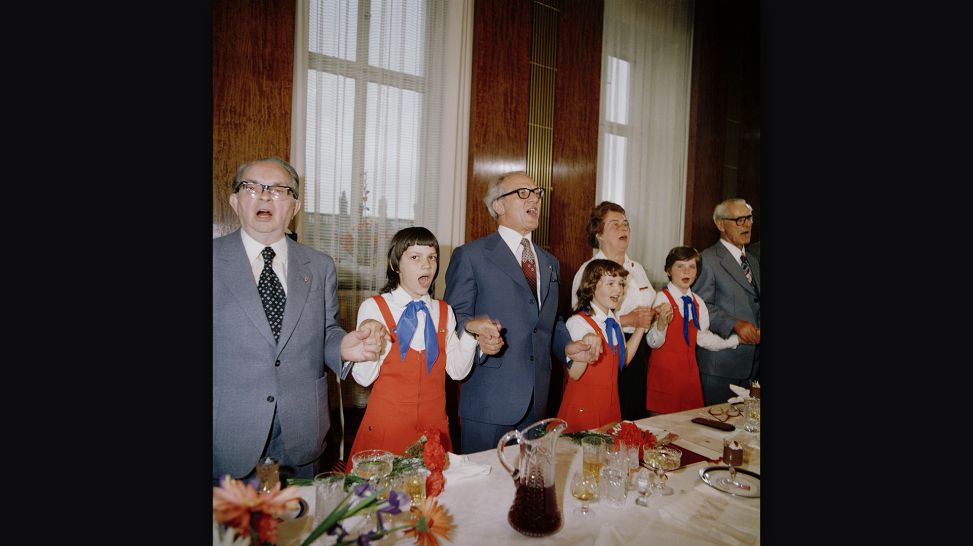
<point x="459" y="350"/>
<point x="254" y="249"/>
<point x="736" y="252"/>
<point x="704" y="338"/>
<point x="638" y="289"/>
<point x="512" y="238"/>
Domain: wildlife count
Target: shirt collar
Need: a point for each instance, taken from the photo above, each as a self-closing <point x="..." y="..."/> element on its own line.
<point x="677" y="292"/>
<point x="402" y="298"/>
<point x="512" y="239"/>
<point x="736" y="252"/>
<point x="254" y="247"/>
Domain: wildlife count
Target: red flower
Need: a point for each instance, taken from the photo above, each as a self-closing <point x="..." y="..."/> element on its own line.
<point x="435" y="483"/>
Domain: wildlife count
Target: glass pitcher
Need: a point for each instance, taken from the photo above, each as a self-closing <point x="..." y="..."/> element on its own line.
<point x="534" y="512"/>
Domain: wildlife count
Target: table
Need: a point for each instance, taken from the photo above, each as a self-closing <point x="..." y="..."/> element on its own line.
<point x="695" y="514"/>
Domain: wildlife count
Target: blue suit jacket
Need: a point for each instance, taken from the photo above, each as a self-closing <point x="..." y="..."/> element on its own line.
<point x="484" y="278"/>
<point x="729" y="297"/>
<point x="252" y="374"/>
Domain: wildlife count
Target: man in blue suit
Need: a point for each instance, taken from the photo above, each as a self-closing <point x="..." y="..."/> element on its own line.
<point x="275" y="327"/>
<point x="729" y="283"/>
<point x="491" y="276"/>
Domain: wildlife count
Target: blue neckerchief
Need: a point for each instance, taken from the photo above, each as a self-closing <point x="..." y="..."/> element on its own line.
<point x="406" y="328"/>
<point x="688" y="305"/>
<point x="612" y="327"/>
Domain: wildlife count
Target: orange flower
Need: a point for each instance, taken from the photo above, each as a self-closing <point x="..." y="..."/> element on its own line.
<point x="235" y="503"/>
<point x="430" y="520"/>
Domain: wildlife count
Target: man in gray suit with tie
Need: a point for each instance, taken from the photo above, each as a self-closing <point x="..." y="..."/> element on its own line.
<point x="505" y="276"/>
<point x="729" y="283"/>
<point x="275" y="327"/>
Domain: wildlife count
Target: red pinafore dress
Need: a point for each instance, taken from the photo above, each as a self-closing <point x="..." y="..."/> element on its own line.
<point x="405" y="399"/>
<point x="673" y="382"/>
<point x="592" y="400"/>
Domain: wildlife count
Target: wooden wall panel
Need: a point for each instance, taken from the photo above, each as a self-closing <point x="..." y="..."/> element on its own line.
<point x="253" y="64"/>
<point x="724" y="127"/>
<point x="575" y="136"/>
<point x="499" y="103"/>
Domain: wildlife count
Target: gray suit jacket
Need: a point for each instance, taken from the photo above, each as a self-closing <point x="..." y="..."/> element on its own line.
<point x="252" y="374"/>
<point x="729" y="297"/>
<point x="484" y="278"/>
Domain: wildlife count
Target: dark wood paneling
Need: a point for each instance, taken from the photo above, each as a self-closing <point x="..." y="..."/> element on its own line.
<point x="499" y="104"/>
<point x="578" y="90"/>
<point x="253" y="65"/>
<point x="724" y="127"/>
<point x="575" y="154"/>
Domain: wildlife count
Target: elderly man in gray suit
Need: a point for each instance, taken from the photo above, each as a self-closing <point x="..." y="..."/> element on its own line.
<point x="729" y="283"/>
<point x="275" y="311"/>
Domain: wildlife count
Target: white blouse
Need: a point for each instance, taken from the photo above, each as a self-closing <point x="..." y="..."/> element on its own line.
<point x="704" y="338"/>
<point x="459" y="350"/>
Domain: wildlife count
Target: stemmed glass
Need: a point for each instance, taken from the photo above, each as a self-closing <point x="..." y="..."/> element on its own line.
<point x="661" y="460"/>
<point x="584" y="487"/>
<point x="733" y="457"/>
<point x="642" y="481"/>
<point x="374" y="465"/>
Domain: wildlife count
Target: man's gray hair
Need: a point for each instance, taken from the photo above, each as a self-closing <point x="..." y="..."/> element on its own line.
<point x="493" y="190"/>
<point x="272" y="159"/>
<point x="720" y="211"/>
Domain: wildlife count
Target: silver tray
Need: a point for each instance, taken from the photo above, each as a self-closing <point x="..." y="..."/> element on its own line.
<point x="713" y="474"/>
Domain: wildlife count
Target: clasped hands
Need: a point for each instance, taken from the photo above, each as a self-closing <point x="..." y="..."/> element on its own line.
<point x="747" y="332"/>
<point x="366" y="343"/>
<point x="487" y="332"/>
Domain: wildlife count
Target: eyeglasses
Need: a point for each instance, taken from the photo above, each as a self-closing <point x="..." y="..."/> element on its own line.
<point x="618" y="223"/>
<point x="740" y="220"/>
<point x="724" y="415"/>
<point x="276" y="192"/>
<point x="524" y="193"/>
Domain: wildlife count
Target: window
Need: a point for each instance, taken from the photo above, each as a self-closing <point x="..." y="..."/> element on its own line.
<point x="374" y="94"/>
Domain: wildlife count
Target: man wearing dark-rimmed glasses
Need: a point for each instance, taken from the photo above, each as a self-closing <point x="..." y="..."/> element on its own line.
<point x="729" y="283"/>
<point x="275" y="329"/>
<point x="505" y="276"/>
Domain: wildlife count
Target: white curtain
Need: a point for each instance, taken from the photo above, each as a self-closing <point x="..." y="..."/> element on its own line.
<point x="644" y="127"/>
<point x="379" y="87"/>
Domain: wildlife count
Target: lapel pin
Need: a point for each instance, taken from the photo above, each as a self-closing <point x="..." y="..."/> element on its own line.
<point x="307" y="279"/>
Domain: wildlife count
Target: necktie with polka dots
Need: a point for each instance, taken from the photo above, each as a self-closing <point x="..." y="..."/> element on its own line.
<point x="271" y="293"/>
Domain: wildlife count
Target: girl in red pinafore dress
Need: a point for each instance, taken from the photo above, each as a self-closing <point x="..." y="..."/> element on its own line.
<point x="673" y="382"/>
<point x="409" y="394"/>
<point x="591" y="395"/>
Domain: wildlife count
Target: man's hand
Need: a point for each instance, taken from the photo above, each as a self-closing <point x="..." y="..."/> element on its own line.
<point x="487" y="332"/>
<point x="747" y="332"/>
<point x="365" y="344"/>
<point x="587" y="349"/>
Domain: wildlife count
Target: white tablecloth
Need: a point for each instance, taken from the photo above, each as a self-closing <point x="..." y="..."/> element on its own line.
<point x="694" y="514"/>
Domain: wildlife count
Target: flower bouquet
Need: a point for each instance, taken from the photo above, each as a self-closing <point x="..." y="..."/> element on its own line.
<point x="630" y="434"/>
<point x="248" y="518"/>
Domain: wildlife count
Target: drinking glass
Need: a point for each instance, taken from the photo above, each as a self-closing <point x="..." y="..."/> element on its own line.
<point x="374" y="465"/>
<point x="642" y="482"/>
<point x="593" y="453"/>
<point x="329" y="490"/>
<point x="584" y="487"/>
<point x="661" y="460"/>
<point x="752" y="412"/>
<point x="268" y="474"/>
<point x="613" y="484"/>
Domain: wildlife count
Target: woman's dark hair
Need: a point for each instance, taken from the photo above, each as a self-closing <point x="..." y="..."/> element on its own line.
<point x="589" y="280"/>
<point x="401" y="241"/>
<point x="679" y="254"/>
